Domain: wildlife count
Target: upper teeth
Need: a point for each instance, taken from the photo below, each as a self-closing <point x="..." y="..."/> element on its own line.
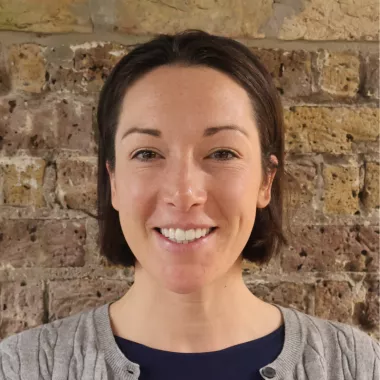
<point x="182" y="235"/>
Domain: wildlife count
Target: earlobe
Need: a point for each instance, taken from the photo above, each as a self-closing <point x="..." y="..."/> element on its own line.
<point x="264" y="195"/>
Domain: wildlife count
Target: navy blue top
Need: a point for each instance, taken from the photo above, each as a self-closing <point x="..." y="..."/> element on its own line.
<point x="241" y="361"/>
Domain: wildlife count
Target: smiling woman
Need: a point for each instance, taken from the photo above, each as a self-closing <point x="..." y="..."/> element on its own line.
<point x="190" y="182"/>
<point x="190" y="116"/>
<point x="203" y="96"/>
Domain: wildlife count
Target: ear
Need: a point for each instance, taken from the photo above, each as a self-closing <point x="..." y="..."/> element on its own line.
<point x="264" y="195"/>
<point x="113" y="187"/>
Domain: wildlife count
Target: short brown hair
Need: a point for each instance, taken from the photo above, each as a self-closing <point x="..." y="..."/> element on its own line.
<point x="194" y="48"/>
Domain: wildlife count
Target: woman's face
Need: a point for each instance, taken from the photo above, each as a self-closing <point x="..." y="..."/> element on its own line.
<point x="176" y="167"/>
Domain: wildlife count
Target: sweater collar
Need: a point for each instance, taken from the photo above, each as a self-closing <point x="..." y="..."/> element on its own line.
<point x="124" y="368"/>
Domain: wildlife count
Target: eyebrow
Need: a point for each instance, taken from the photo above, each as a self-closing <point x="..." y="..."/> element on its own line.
<point x="210" y="131"/>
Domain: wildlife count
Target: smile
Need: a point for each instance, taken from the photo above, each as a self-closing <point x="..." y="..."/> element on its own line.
<point x="180" y="236"/>
<point x="170" y="242"/>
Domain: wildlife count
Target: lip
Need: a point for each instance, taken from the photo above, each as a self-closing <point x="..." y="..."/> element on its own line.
<point x="179" y="248"/>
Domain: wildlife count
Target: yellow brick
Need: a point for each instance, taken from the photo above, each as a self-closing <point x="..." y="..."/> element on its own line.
<point x="332" y="130"/>
<point x="332" y="20"/>
<point x="341" y="189"/>
<point x="226" y="17"/>
<point x="371" y="185"/>
<point x="23" y="180"/>
<point x="45" y="16"/>
<point x="340" y="74"/>
<point x="27" y="67"/>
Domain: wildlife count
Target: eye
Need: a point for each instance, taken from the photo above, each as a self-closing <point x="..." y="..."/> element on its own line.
<point x="146" y="155"/>
<point x="223" y="154"/>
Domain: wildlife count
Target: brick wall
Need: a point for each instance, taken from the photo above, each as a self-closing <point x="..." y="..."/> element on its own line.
<point x="54" y="57"/>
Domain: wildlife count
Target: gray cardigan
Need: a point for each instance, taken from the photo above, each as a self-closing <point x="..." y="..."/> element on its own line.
<point x="82" y="347"/>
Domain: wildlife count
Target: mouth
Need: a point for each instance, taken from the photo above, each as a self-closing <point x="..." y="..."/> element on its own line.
<point x="181" y="237"/>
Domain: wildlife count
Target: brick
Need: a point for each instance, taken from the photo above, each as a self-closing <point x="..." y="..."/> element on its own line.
<point x="332" y="249"/>
<point x="301" y="183"/>
<point x="250" y="268"/>
<point x="367" y="312"/>
<point x="13" y="121"/>
<point x="290" y="70"/>
<point x="92" y="244"/>
<point x="74" y="296"/>
<point x="22" y="179"/>
<point x="75" y="125"/>
<point x="47" y="123"/>
<point x="340" y="73"/>
<point x="42" y="243"/>
<point x="333" y="301"/>
<point x="65" y="79"/>
<point x="5" y="80"/>
<point x="285" y="294"/>
<point x="231" y="18"/>
<point x="91" y="65"/>
<point x="77" y="182"/>
<point x="371" y="81"/>
<point x="45" y="16"/>
<point x="97" y="62"/>
<point x="329" y="130"/>
<point x="21" y="306"/>
<point x="341" y="189"/>
<point x="371" y="194"/>
<point x="333" y="20"/>
<point x="27" y="67"/>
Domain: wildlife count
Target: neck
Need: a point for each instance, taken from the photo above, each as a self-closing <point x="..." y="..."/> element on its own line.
<point x="218" y="316"/>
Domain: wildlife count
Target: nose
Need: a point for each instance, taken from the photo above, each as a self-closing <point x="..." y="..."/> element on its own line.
<point x="184" y="185"/>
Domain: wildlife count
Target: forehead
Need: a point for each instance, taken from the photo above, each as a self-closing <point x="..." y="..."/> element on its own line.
<point x="194" y="95"/>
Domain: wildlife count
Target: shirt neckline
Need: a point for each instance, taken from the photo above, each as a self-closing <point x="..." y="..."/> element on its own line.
<point x="252" y="344"/>
<point x="126" y="369"/>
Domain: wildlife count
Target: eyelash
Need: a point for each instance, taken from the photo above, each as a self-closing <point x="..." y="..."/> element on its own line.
<point x="217" y="151"/>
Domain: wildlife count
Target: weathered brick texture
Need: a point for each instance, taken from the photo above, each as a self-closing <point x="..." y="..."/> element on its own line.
<point x="71" y="297"/>
<point x="370" y="193"/>
<point x="50" y="243"/>
<point x="340" y="73"/>
<point x="286" y="294"/>
<point x="22" y="181"/>
<point x="312" y="20"/>
<point x="331" y="129"/>
<point x="45" y="16"/>
<point x="333" y="249"/>
<point x="21" y="306"/>
<point x="27" y="67"/>
<point x="291" y="71"/>
<point x="54" y="122"/>
<point x="76" y="183"/>
<point x="333" y="300"/>
<point x="85" y="67"/>
<point x="49" y="86"/>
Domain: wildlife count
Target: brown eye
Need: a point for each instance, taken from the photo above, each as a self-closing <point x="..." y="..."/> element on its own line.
<point x="145" y="155"/>
<point x="224" y="155"/>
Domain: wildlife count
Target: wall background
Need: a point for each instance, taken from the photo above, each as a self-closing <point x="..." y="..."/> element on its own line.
<point x="54" y="57"/>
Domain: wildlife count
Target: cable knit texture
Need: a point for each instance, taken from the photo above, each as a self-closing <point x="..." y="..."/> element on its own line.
<point x="82" y="347"/>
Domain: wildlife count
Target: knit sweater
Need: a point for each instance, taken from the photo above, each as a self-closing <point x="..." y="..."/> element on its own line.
<point x="83" y="347"/>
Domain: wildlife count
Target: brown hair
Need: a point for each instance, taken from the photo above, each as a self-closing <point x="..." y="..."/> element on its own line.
<point x="194" y="48"/>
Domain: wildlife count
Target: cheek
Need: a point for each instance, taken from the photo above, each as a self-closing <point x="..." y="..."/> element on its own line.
<point x="238" y="189"/>
<point x="135" y="196"/>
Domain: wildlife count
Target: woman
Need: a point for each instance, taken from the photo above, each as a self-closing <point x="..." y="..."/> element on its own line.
<point x="191" y="167"/>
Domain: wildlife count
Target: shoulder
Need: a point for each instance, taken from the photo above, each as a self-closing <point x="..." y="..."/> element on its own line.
<point x="36" y="350"/>
<point x="339" y="344"/>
